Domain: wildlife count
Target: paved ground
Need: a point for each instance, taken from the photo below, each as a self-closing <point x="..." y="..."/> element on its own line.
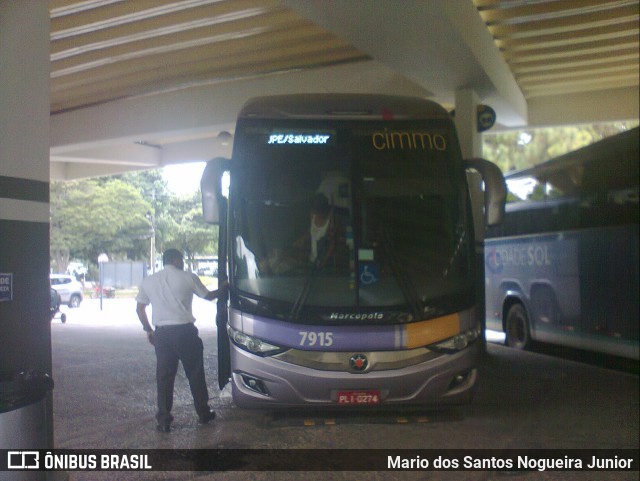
<point x="105" y="398"/>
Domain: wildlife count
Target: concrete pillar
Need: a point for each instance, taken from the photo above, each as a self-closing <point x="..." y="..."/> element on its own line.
<point x="466" y="123"/>
<point x="25" y="339"/>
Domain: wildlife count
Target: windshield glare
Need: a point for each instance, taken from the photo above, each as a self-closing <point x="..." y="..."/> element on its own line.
<point x="348" y="221"/>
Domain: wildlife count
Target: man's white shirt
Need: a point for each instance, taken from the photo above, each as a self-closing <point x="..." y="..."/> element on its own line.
<point x="170" y="293"/>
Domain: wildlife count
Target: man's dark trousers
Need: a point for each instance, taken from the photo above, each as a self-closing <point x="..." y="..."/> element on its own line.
<point x="173" y="344"/>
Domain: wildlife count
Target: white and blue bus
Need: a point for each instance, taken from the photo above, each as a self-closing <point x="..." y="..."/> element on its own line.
<point x="347" y="237"/>
<point x="563" y="266"/>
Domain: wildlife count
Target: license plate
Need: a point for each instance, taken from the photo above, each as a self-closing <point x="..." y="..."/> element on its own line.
<point x="358" y="397"/>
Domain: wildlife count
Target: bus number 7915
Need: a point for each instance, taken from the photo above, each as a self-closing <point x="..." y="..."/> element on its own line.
<point x="311" y="338"/>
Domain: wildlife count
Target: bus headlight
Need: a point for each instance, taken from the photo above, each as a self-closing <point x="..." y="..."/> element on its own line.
<point x="459" y="341"/>
<point x="252" y="344"/>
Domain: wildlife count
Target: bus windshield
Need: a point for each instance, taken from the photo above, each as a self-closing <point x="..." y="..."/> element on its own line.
<point x="328" y="219"/>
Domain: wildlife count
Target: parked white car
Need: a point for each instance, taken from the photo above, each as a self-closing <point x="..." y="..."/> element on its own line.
<point x="68" y="287"/>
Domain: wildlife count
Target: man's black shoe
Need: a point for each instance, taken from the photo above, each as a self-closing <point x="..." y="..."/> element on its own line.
<point x="164" y="427"/>
<point x="205" y="418"/>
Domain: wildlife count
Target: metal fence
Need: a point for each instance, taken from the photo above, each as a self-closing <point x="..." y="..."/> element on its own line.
<point x="123" y="275"/>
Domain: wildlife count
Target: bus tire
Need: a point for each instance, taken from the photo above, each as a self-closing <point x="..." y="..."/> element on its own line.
<point x="517" y="330"/>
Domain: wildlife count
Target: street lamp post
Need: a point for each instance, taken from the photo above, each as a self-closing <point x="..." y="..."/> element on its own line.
<point x="153" y="246"/>
<point x="152" y="220"/>
<point x="102" y="258"/>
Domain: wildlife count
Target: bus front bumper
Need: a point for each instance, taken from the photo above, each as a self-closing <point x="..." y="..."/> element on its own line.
<point x="267" y="382"/>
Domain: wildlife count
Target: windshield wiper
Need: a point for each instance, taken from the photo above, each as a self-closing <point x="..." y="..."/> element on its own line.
<point x="306" y="288"/>
<point x="456" y="251"/>
<point x="407" y="287"/>
<point x="302" y="296"/>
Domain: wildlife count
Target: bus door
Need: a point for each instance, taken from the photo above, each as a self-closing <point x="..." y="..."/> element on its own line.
<point x="214" y="211"/>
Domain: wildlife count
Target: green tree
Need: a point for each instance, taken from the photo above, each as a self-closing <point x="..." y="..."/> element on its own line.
<point x="153" y="188"/>
<point x="186" y="230"/>
<point x="93" y="216"/>
<point x="115" y="215"/>
<point x="516" y="150"/>
<point x="66" y="218"/>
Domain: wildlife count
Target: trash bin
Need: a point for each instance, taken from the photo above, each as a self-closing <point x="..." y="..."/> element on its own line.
<point x="23" y="389"/>
<point x="23" y="411"/>
<point x="23" y="418"/>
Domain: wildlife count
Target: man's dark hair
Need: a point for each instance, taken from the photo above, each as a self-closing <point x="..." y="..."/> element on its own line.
<point x="170" y="256"/>
<point x="320" y="204"/>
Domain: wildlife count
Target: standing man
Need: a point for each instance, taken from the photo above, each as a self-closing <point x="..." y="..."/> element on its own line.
<point x="170" y="293"/>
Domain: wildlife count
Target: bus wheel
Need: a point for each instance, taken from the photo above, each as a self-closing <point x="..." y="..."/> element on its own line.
<point x="517" y="328"/>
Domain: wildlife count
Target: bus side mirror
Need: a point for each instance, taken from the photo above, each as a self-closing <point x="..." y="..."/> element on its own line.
<point x="495" y="189"/>
<point x="211" y="188"/>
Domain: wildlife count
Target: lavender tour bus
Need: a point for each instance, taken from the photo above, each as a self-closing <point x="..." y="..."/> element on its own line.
<point x="347" y="236"/>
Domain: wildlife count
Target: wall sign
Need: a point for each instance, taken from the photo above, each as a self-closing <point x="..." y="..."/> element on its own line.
<point x="6" y="287"/>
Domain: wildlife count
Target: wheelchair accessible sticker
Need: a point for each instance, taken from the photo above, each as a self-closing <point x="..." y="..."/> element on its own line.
<point x="369" y="273"/>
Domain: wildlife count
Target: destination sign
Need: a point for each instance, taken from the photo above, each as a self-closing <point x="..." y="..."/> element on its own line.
<point x="293" y="138"/>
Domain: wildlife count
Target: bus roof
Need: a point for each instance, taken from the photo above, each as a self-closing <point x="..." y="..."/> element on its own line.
<point x="343" y="106"/>
<point x="617" y="149"/>
<point x="611" y="163"/>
